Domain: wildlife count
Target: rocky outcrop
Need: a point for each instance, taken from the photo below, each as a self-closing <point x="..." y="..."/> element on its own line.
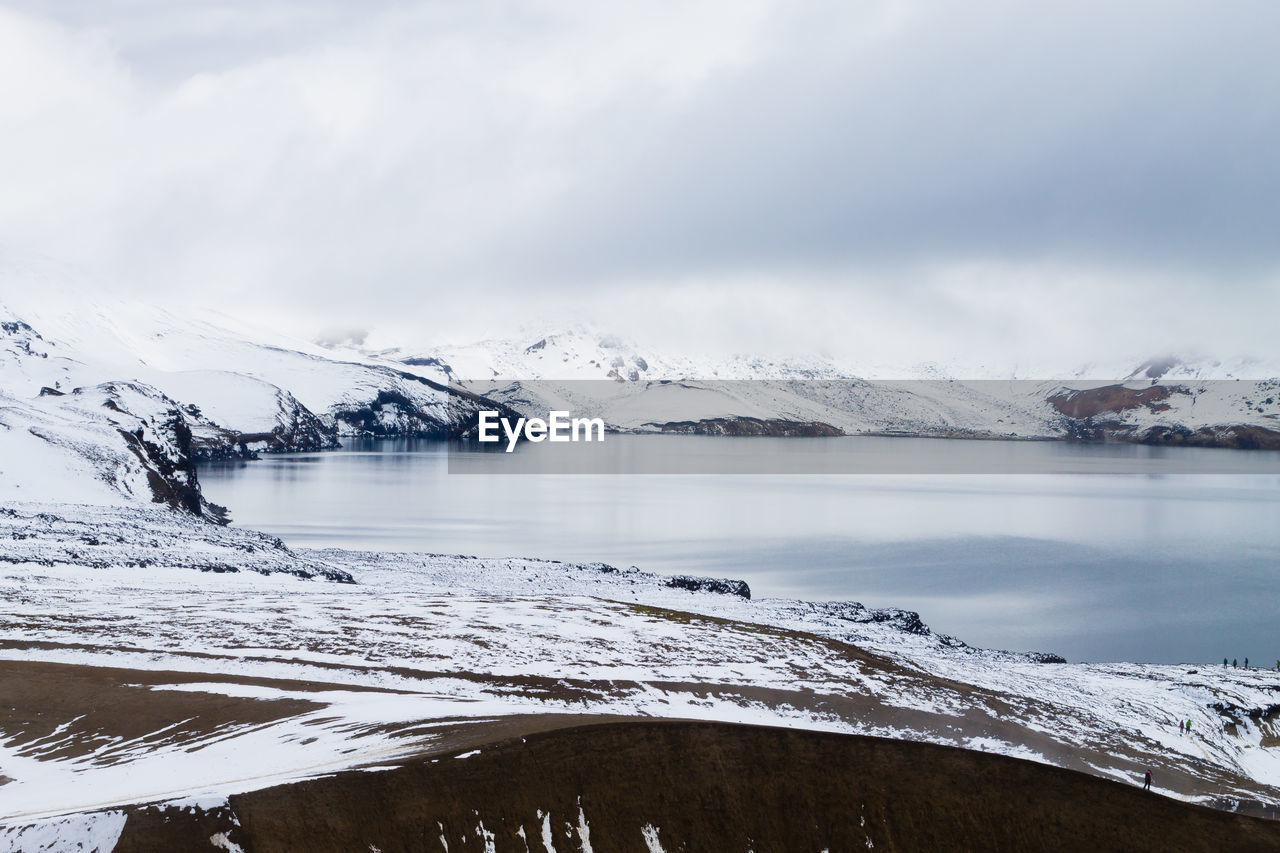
<point x="1046" y="657"/>
<point x="1231" y="436"/>
<point x="739" y="426"/>
<point x="908" y="621"/>
<point x="297" y="430"/>
<point x="720" y="586"/>
<point x="411" y="406"/>
<point x="391" y="413"/>
<point x="172" y="476"/>
<point x="692" y="583"/>
<point x="157" y="432"/>
<point x="22" y="340"/>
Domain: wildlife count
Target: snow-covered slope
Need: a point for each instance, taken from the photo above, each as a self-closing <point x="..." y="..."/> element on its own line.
<point x="325" y="676"/>
<point x="113" y="443"/>
<point x="583" y="352"/>
<point x="635" y="388"/>
<point x="105" y="404"/>
<point x="272" y="391"/>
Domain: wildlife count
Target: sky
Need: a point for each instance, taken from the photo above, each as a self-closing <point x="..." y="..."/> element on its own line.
<point x="883" y="180"/>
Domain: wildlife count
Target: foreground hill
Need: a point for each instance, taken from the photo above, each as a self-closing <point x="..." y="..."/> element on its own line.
<point x="641" y="787"/>
<point x="139" y="669"/>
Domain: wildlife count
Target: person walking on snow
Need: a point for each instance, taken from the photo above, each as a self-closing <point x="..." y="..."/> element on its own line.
<point x="1188" y="727"/>
<point x="1146" y="781"/>
<point x="1182" y="727"/>
<point x="1235" y="663"/>
<point x="1246" y="663"/>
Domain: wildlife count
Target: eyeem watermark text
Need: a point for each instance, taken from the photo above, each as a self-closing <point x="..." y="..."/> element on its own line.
<point x="559" y="426"/>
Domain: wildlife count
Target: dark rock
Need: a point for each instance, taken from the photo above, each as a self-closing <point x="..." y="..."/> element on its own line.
<point x="426" y="361"/>
<point x="1046" y="657"/>
<point x="298" y="431"/>
<point x="775" y="427"/>
<point x="904" y="620"/>
<point x="720" y="586"/>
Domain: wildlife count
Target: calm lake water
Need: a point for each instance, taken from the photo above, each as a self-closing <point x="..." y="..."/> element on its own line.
<point x="1156" y="566"/>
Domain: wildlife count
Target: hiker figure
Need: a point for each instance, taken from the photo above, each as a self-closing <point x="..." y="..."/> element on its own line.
<point x="1234" y="663"/>
<point x="1146" y="782"/>
<point x="1182" y="727"/>
<point x="1224" y="663"/>
<point x="1246" y="663"/>
<point x="1188" y="726"/>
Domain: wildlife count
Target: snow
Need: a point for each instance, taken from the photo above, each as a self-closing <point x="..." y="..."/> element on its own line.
<point x="584" y="352"/>
<point x="220" y="840"/>
<point x="94" y="832"/>
<point x="547" y="840"/>
<point x="649" y="833"/>
<point x="584" y="831"/>
<point x="36" y="465"/>
<point x="242" y="380"/>
<point x="460" y="639"/>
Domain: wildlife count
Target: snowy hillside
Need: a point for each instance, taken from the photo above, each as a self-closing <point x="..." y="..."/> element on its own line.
<point x="251" y="679"/>
<point x="583" y="352"/>
<point x="113" y="443"/>
<point x="115" y="404"/>
<point x="637" y="389"/>
<point x="265" y="390"/>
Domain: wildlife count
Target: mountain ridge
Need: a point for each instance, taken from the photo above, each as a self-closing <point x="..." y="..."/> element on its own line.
<point x="137" y="395"/>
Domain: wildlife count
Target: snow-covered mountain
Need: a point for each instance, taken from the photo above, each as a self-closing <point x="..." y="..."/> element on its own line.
<point x="584" y="352"/>
<point x="115" y="404"/>
<point x="1162" y="401"/>
<point x="271" y="391"/>
<point x="124" y="398"/>
<point x="110" y="444"/>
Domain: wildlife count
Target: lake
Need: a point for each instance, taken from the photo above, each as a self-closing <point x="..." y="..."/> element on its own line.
<point x="1161" y="565"/>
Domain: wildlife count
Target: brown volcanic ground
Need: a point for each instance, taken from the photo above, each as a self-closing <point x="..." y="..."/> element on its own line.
<point x="706" y="787"/>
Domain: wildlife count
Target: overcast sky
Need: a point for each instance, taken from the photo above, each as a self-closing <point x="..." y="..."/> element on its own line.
<point x="982" y="180"/>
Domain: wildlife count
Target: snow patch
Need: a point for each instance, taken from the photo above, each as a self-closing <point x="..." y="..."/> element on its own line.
<point x="94" y="832"/>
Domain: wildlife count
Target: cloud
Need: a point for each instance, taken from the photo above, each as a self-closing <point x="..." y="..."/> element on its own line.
<point x="992" y="177"/>
<point x="1084" y="132"/>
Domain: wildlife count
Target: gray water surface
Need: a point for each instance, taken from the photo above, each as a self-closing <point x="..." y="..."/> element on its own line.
<point x="1166" y="567"/>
